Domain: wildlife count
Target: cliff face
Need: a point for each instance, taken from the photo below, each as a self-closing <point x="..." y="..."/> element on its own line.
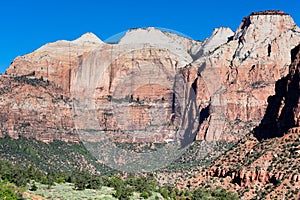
<point x="133" y="81"/>
<point x="283" y="111"/>
<point x="245" y="70"/>
<point x="268" y="168"/>
<point x="134" y="92"/>
<point x="226" y="80"/>
<point x="56" y="62"/>
<point x="34" y="108"/>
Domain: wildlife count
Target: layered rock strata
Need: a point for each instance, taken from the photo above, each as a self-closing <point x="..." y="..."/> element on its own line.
<point x="226" y="80"/>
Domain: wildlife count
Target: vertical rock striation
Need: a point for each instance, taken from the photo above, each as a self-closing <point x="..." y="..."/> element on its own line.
<point x="227" y="78"/>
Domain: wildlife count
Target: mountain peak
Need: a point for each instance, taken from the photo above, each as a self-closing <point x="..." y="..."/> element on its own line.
<point x="144" y="35"/>
<point x="272" y="17"/>
<point x="270" y="24"/>
<point x="218" y="37"/>
<point x="87" y="37"/>
<point x="159" y="38"/>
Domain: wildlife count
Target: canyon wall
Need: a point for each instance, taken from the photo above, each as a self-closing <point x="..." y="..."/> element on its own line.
<point x="153" y="85"/>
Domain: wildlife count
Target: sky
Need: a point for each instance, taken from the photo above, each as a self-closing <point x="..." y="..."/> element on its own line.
<point x="28" y="24"/>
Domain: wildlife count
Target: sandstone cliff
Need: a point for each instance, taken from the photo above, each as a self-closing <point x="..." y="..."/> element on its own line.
<point x="245" y="70"/>
<point x="34" y="108"/>
<point x="264" y="164"/>
<point x="56" y="62"/>
<point x="283" y="111"/>
<point x="226" y="80"/>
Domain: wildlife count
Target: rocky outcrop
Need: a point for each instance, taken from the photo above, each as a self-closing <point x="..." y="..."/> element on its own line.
<point x="269" y="164"/>
<point x="245" y="70"/>
<point x="218" y="37"/>
<point x="283" y="111"/>
<point x="255" y="169"/>
<point x="34" y="108"/>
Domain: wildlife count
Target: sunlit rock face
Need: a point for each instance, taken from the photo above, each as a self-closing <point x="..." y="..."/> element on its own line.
<point x="253" y="161"/>
<point x="34" y="108"/>
<point x="140" y="94"/>
<point x="218" y="37"/>
<point x="154" y="85"/>
<point x="137" y="91"/>
<point x="247" y="67"/>
<point x="57" y="62"/>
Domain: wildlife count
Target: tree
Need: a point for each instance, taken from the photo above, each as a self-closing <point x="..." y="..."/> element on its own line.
<point x="80" y="180"/>
<point x="145" y="195"/>
<point x="50" y="179"/>
<point x="142" y="184"/>
<point x="95" y="182"/>
<point x="123" y="193"/>
<point x="199" y="194"/>
<point x="19" y="178"/>
<point x="164" y="192"/>
<point x="7" y="191"/>
<point x="33" y="187"/>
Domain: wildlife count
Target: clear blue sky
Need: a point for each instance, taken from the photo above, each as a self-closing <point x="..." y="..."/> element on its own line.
<point x="28" y="24"/>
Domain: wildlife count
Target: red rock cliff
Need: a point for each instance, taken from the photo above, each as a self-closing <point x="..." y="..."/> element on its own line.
<point x="227" y="79"/>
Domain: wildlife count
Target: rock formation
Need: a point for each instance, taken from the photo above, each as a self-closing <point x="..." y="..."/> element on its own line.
<point x="253" y="169"/>
<point x="264" y="164"/>
<point x="156" y="86"/>
<point x="34" y="108"/>
<point x="56" y="62"/>
<point x="219" y="36"/>
<point x="216" y="90"/>
<point x="245" y="70"/>
<point x="283" y="111"/>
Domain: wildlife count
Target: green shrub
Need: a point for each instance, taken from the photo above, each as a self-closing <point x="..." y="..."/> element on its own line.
<point x="8" y="191"/>
<point x="33" y="187"/>
<point x="145" y="195"/>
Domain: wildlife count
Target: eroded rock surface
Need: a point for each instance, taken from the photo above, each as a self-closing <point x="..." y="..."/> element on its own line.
<point x="245" y="70"/>
<point x="264" y="164"/>
<point x="226" y="80"/>
<point x="34" y="108"/>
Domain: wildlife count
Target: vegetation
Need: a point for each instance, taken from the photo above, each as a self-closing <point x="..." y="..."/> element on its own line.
<point x="9" y="191"/>
<point x="199" y="154"/>
<point x="66" y="191"/>
<point x="32" y="81"/>
<point x="57" y="156"/>
<point x="14" y="177"/>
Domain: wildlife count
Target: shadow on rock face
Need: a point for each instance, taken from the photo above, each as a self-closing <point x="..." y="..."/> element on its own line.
<point x="283" y="107"/>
